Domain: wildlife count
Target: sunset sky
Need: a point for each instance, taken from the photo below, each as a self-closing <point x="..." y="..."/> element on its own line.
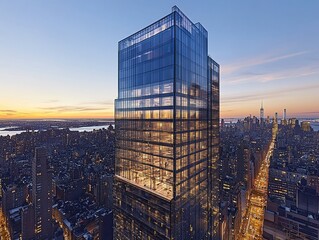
<point x="58" y="59"/>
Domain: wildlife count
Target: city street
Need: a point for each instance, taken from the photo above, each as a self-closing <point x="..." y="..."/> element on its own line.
<point x="4" y="233"/>
<point x="252" y="223"/>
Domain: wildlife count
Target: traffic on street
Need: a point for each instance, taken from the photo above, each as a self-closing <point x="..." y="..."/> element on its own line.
<point x="252" y="223"/>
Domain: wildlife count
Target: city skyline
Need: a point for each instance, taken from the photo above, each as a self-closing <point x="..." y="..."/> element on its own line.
<point x="59" y="60"/>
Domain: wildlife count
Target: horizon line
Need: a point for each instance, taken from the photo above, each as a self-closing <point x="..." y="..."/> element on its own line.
<point x="112" y="119"/>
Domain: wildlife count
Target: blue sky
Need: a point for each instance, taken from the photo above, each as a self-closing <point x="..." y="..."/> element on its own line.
<point x="59" y="58"/>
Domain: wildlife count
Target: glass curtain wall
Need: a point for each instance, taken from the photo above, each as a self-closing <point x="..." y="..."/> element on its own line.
<point x="167" y="148"/>
<point x="144" y="110"/>
<point x="144" y="113"/>
<point x="191" y="130"/>
<point x="213" y="176"/>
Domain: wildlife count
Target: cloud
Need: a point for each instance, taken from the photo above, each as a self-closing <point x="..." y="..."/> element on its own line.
<point x="248" y="63"/>
<point x="104" y="103"/>
<point x="7" y="111"/>
<point x="51" y="101"/>
<point x="102" y="107"/>
<point x="73" y="109"/>
<point x="246" y="72"/>
<point x="230" y="110"/>
<point x="264" y="95"/>
<point x="272" y="76"/>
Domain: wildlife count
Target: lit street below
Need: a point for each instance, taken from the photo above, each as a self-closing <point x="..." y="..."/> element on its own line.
<point x="4" y="233"/>
<point x="252" y="223"/>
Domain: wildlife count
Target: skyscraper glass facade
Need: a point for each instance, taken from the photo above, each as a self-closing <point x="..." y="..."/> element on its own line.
<point x="167" y="124"/>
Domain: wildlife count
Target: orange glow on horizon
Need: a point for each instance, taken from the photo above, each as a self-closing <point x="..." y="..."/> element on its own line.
<point x="227" y="110"/>
<point x="64" y="115"/>
<point x="224" y="113"/>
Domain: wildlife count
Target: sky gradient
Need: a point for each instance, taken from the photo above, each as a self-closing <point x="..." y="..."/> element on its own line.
<point x="58" y="59"/>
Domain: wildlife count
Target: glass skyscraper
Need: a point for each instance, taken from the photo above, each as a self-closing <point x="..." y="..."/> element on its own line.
<point x="167" y="124"/>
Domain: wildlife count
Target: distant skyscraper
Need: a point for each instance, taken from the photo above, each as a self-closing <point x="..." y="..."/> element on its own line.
<point x="167" y="124"/>
<point x="42" y="194"/>
<point x="285" y="115"/>
<point x="222" y="123"/>
<point x="262" y="112"/>
<point x="276" y="118"/>
<point x="284" y="118"/>
<point x="268" y="119"/>
<point x="305" y="126"/>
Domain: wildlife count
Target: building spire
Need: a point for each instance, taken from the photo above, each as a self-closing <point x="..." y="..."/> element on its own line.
<point x="262" y="110"/>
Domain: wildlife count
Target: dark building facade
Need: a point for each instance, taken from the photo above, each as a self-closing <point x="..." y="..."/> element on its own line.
<point x="167" y="124"/>
<point x="42" y="194"/>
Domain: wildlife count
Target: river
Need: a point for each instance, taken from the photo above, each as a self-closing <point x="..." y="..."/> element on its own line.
<point x="4" y="132"/>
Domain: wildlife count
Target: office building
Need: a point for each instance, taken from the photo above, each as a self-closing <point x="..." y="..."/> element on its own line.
<point x="305" y="126"/>
<point x="290" y="223"/>
<point x="167" y="125"/>
<point x="307" y="197"/>
<point x="285" y="114"/>
<point x="284" y="118"/>
<point x="13" y="196"/>
<point x="42" y="194"/>
<point x="103" y="191"/>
